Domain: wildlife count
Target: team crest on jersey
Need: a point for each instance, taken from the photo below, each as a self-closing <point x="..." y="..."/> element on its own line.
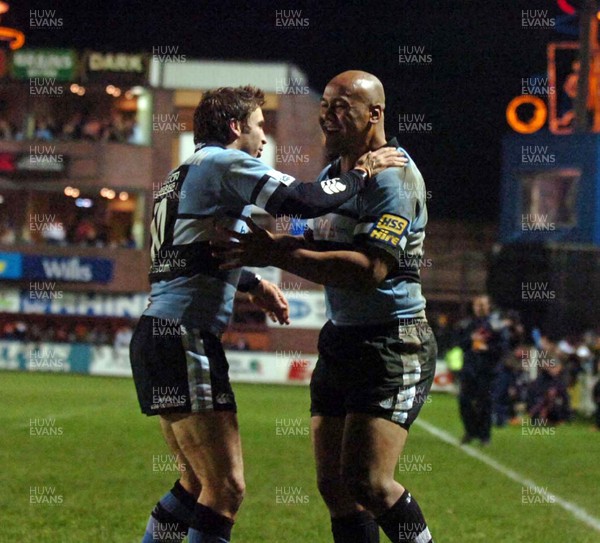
<point x="281" y="177"/>
<point x="389" y="229"/>
<point x="332" y="186"/>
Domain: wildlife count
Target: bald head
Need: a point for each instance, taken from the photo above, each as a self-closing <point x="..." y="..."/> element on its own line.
<point x="360" y="85"/>
<point x="351" y="114"/>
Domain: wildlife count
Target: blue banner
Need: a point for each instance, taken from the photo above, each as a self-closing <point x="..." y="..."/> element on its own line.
<point x="68" y="268"/>
<point x="11" y="266"/>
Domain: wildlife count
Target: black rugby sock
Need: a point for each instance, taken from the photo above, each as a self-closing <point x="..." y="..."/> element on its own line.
<point x="359" y="527"/>
<point x="404" y="521"/>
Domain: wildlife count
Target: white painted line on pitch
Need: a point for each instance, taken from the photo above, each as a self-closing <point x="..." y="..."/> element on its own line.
<point x="575" y="510"/>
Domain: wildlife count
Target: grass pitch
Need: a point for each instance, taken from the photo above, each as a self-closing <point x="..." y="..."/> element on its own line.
<point x="79" y="463"/>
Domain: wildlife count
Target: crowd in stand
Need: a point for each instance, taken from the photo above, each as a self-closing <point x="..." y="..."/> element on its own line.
<point x="106" y="333"/>
<point x="119" y="127"/>
<point x="85" y="232"/>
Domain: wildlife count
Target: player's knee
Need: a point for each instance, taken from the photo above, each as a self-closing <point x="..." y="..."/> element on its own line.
<point x="233" y="490"/>
<point x="226" y="492"/>
<point x="369" y="490"/>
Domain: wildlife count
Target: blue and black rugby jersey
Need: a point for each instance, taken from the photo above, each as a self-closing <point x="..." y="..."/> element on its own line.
<point x="214" y="188"/>
<point x="390" y="214"/>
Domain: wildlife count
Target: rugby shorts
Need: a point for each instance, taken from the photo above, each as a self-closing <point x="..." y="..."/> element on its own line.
<point x="383" y="370"/>
<point x="179" y="370"/>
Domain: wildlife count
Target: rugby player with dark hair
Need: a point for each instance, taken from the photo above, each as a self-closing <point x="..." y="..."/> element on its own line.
<point x="179" y="367"/>
<point x="377" y="352"/>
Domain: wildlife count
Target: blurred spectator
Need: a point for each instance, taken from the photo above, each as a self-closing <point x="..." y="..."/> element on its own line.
<point x="71" y="130"/>
<point x="133" y="131"/>
<point x="7" y="235"/>
<point x="241" y="344"/>
<point x="81" y="333"/>
<point x="101" y="335"/>
<point x="510" y="386"/>
<point x="15" y="330"/>
<point x="8" y="331"/>
<point x="128" y="242"/>
<point x="443" y="332"/>
<point x="123" y="337"/>
<point x="55" y="234"/>
<point x="7" y="130"/>
<point x="547" y="397"/>
<point x="568" y="354"/>
<point x="117" y="129"/>
<point x="43" y="130"/>
<point x="85" y="233"/>
<point x="513" y="329"/>
<point x="92" y="129"/>
<point x="482" y="346"/>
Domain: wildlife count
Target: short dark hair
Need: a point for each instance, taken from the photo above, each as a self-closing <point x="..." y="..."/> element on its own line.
<point x="218" y="107"/>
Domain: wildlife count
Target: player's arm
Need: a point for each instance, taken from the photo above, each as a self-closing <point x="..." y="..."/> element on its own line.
<point x="249" y="180"/>
<point x="359" y="270"/>
<point x="362" y="269"/>
<point x="380" y="239"/>
<point x="265" y="295"/>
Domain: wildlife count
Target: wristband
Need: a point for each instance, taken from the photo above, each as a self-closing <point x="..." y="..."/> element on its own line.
<point x="248" y="281"/>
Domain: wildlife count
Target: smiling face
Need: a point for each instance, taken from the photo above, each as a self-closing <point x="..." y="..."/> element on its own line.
<point x="252" y="138"/>
<point x="344" y="118"/>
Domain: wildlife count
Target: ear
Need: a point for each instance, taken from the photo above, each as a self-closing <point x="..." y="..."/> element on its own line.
<point x="235" y="129"/>
<point x="375" y="114"/>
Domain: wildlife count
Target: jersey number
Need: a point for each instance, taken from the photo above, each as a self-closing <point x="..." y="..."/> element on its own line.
<point x="157" y="227"/>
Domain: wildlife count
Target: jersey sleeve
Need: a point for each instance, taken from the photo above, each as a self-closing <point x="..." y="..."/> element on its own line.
<point x="390" y="209"/>
<point x="253" y="182"/>
<point x="248" y="280"/>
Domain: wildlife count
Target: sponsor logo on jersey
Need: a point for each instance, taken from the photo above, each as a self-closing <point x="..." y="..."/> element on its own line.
<point x="281" y="177"/>
<point x="389" y="229"/>
<point x="332" y="186"/>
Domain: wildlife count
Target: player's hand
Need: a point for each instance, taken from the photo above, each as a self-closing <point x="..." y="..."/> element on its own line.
<point x="375" y="162"/>
<point x="250" y="248"/>
<point x="271" y="300"/>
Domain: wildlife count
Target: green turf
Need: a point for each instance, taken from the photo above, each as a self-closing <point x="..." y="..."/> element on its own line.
<point x="106" y="478"/>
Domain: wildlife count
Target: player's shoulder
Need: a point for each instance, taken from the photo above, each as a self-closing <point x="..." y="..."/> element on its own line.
<point x="333" y="169"/>
<point x="411" y="169"/>
<point x="218" y="155"/>
<point x="227" y="157"/>
<point x="393" y="177"/>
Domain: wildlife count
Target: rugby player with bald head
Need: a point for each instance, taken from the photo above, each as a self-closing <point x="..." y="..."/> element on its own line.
<point x="178" y="363"/>
<point x="377" y="352"/>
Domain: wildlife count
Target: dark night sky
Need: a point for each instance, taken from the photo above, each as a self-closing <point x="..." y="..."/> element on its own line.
<point x="479" y="52"/>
